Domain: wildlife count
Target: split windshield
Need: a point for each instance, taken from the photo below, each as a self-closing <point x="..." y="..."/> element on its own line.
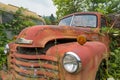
<point x="80" y="20"/>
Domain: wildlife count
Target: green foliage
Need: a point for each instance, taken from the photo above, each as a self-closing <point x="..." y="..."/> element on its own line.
<point x="114" y="60"/>
<point x="19" y="22"/>
<point x="50" y="20"/>
<point x="110" y="68"/>
<point x="3" y="41"/>
<point x="108" y="6"/>
<point x="114" y="64"/>
<point x="16" y="25"/>
<point x="66" y="7"/>
<point x="2" y="36"/>
<point x="47" y="20"/>
<point x="3" y="57"/>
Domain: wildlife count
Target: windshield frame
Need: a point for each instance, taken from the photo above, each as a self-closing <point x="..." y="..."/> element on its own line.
<point x="72" y="19"/>
<point x="71" y="16"/>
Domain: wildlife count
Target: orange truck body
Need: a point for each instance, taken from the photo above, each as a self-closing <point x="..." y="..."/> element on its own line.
<point x="42" y="58"/>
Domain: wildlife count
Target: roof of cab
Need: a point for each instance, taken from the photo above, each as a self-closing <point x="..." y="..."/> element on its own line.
<point x="97" y="13"/>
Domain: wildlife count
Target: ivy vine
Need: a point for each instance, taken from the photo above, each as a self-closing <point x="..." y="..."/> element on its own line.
<point x="18" y="23"/>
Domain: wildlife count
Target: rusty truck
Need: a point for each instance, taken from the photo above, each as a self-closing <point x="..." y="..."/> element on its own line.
<point x="71" y="50"/>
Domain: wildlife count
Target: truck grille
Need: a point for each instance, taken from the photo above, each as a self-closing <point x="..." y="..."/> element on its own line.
<point x="32" y="63"/>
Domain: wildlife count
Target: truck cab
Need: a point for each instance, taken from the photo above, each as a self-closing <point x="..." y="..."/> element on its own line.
<point x="85" y="20"/>
<point x="71" y="50"/>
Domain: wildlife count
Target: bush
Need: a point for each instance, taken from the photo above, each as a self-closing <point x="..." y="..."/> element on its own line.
<point x="3" y="58"/>
<point x="110" y="68"/>
<point x="16" y="25"/>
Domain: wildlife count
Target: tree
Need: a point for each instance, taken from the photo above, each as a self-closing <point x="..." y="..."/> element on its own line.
<point x="46" y="18"/>
<point x="104" y="6"/>
<point x="67" y="7"/>
<point x="70" y="6"/>
<point x="50" y="20"/>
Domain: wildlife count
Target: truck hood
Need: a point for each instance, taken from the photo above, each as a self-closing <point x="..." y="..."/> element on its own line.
<point x="41" y="34"/>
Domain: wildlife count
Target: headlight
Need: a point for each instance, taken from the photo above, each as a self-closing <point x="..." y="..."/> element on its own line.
<point x="6" y="49"/>
<point x="71" y="62"/>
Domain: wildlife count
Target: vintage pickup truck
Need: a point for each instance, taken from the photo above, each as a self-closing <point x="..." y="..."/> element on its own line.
<point x="72" y="50"/>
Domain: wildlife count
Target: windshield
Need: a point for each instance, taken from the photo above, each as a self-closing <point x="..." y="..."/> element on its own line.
<point x="80" y="21"/>
<point x="66" y="21"/>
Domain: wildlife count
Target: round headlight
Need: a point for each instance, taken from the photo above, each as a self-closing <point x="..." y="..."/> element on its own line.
<point x="71" y="62"/>
<point x="6" y="49"/>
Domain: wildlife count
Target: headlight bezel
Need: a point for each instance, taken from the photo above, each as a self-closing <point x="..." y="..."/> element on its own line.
<point x="76" y="58"/>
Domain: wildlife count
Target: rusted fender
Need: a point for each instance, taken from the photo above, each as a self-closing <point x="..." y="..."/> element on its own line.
<point x="91" y="54"/>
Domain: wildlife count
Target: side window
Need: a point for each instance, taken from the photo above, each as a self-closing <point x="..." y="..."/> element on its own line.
<point x="103" y="22"/>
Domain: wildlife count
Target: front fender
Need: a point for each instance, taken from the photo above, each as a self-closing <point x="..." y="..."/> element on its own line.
<point x="91" y="54"/>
